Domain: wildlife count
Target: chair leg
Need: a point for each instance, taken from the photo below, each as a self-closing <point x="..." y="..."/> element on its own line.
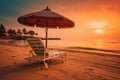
<point x="65" y="56"/>
<point x="46" y="65"/>
<point x="61" y="56"/>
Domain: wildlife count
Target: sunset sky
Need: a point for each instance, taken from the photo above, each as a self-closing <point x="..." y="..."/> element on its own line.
<point x="94" y="19"/>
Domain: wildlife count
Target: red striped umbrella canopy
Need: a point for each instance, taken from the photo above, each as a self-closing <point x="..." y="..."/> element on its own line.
<point x="46" y="19"/>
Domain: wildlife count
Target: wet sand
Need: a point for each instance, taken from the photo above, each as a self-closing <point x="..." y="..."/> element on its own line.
<point x="80" y="65"/>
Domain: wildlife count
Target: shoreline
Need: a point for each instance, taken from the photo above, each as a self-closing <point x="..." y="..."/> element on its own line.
<point x="95" y="49"/>
<point x="24" y="43"/>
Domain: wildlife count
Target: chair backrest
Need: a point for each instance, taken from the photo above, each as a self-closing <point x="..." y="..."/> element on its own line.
<point x="36" y="45"/>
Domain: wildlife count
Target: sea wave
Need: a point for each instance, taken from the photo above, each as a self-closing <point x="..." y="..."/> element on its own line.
<point x="95" y="49"/>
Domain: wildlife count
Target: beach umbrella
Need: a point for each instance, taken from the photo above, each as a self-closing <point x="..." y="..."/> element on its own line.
<point x="45" y="19"/>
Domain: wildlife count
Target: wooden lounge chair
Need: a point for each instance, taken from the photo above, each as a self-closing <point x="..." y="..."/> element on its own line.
<point x="40" y="53"/>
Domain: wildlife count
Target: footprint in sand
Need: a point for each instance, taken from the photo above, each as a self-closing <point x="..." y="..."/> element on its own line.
<point x="89" y="69"/>
<point x="18" y="55"/>
<point x="12" y="56"/>
<point x="13" y="60"/>
<point x="14" y="63"/>
<point x="45" y="75"/>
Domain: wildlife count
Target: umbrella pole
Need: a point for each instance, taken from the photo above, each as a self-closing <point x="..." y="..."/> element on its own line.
<point x="46" y="37"/>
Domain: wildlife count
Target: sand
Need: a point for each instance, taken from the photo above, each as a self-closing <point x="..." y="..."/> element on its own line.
<point x="80" y="65"/>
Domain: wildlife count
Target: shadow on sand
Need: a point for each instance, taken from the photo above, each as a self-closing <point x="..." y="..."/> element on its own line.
<point x="23" y="67"/>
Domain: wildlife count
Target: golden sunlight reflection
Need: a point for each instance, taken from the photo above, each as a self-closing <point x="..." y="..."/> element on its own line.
<point x="99" y="31"/>
<point x="99" y="43"/>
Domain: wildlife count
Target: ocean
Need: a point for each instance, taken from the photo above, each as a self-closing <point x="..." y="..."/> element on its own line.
<point x="110" y="45"/>
<point x="101" y="45"/>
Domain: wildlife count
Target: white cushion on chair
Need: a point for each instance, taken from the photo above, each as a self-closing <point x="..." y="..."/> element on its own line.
<point x="55" y="53"/>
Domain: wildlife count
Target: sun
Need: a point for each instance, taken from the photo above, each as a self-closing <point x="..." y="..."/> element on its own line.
<point x="99" y="31"/>
<point x="98" y="26"/>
